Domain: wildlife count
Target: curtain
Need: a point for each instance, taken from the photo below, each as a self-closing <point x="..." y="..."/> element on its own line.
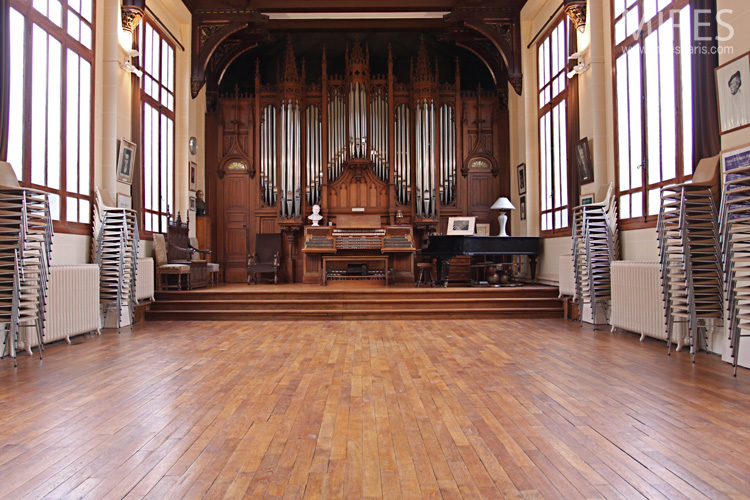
<point x="4" y="78"/>
<point x="706" y="134"/>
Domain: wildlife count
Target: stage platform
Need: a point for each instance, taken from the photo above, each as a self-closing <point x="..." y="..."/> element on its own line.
<point x="355" y="301"/>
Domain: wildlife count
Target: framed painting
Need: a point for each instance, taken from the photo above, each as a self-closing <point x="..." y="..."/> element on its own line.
<point x="733" y="93"/>
<point x="126" y="161"/>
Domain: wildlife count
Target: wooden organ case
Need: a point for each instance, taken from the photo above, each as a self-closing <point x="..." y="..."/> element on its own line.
<point x="364" y="146"/>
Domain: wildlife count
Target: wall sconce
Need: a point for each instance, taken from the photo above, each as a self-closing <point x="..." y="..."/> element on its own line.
<point x="578" y="68"/>
<point x="128" y="66"/>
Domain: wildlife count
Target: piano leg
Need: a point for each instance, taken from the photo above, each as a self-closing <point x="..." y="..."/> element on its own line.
<point x="443" y="267"/>
<point x="532" y="264"/>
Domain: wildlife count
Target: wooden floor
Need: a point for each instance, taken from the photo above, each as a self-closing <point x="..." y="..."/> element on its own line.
<point x="345" y="409"/>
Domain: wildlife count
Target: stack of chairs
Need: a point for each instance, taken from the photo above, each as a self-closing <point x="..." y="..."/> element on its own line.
<point x="25" y="247"/>
<point x="115" y="251"/>
<point x="691" y="263"/>
<point x="595" y="246"/>
<point x="735" y="232"/>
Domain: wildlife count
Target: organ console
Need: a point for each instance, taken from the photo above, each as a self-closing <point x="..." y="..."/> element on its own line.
<point x="355" y="240"/>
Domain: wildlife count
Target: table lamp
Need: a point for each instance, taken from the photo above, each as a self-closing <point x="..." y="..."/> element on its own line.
<point x="502" y="204"/>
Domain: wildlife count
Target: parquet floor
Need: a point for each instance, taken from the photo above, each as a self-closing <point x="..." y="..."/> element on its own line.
<point x="394" y="409"/>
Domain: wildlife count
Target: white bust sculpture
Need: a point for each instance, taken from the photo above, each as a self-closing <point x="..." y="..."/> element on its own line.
<point x="315" y="217"/>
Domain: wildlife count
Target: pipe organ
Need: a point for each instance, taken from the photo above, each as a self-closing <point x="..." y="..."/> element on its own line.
<point x="360" y="144"/>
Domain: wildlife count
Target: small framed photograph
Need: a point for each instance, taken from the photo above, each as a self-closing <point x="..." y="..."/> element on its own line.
<point x="461" y="226"/>
<point x="733" y="93"/>
<point x="192" y="203"/>
<point x="124" y="201"/>
<point x="521" y="169"/>
<point x="193" y="175"/>
<point x="587" y="199"/>
<point x="523" y="208"/>
<point x="583" y="157"/>
<point x="483" y="229"/>
<point x="126" y="161"/>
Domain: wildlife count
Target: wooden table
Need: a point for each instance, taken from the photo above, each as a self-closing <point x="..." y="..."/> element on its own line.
<point x="355" y="259"/>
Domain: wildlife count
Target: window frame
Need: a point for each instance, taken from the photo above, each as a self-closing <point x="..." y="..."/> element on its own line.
<point x="569" y="95"/>
<point x="67" y="43"/>
<point x="143" y="100"/>
<point x="638" y="43"/>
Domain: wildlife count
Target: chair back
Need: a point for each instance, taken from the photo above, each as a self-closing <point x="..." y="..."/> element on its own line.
<point x="266" y="246"/>
<point x="160" y="250"/>
<point x="8" y="175"/>
<point x="178" y="240"/>
<point x="707" y="173"/>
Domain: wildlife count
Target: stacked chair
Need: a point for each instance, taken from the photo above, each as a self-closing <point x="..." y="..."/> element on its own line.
<point x="595" y="246"/>
<point x="735" y="231"/>
<point x="115" y="251"/>
<point x="691" y="264"/>
<point x="25" y="246"/>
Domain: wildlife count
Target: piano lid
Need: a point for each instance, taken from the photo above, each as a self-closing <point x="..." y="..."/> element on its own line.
<point x="482" y="245"/>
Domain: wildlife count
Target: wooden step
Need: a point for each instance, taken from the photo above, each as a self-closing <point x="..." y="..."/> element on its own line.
<point x="239" y="303"/>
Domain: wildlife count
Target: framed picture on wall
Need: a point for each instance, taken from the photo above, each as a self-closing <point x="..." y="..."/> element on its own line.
<point x="733" y="93"/>
<point x="523" y="208"/>
<point x="583" y="159"/>
<point x="125" y="161"/>
<point x="521" y="169"/>
<point x="193" y="175"/>
<point x="587" y="199"/>
<point x="192" y="203"/>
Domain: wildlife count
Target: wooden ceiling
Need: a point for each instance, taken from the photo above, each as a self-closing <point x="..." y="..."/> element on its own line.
<point x="224" y="30"/>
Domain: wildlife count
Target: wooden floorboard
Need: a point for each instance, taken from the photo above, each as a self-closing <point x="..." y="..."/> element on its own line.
<point x="452" y="409"/>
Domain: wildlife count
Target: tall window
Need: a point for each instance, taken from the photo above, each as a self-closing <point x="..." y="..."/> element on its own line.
<point x="653" y="101"/>
<point x="157" y="97"/>
<point x="553" y="52"/>
<point x="51" y="91"/>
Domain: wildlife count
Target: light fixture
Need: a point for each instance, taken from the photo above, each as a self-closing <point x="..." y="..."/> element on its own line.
<point x="577" y="70"/>
<point x="128" y="66"/>
<point x="502" y="204"/>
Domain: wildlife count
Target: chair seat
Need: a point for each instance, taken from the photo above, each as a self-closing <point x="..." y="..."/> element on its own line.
<point x="174" y="269"/>
<point x="213" y="267"/>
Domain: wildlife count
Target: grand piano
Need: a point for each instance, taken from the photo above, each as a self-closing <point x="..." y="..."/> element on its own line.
<point x="445" y="248"/>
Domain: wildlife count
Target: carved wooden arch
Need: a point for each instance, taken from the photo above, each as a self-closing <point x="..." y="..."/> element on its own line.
<point x="209" y="38"/>
<point x="490" y="58"/>
<point x="512" y="58"/>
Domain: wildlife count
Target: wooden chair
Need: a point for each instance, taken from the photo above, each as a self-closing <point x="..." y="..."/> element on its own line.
<point x="267" y="257"/>
<point x="163" y="268"/>
<point x="180" y="251"/>
<point x="213" y="267"/>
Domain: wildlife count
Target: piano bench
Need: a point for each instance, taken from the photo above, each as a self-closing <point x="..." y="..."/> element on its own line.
<point x="422" y="277"/>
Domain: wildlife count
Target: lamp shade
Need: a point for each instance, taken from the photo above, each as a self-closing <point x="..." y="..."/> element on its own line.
<point x="502" y="203"/>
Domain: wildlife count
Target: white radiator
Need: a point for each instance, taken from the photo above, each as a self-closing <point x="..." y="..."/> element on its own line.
<point x="144" y="279"/>
<point x="637" y="302"/>
<point x="567" y="276"/>
<point x="72" y="302"/>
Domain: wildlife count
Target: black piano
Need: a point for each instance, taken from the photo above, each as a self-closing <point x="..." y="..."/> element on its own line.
<point x="445" y="248"/>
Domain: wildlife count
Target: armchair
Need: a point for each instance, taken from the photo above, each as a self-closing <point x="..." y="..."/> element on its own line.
<point x="213" y="268"/>
<point x="164" y="268"/>
<point x="266" y="258"/>
<point x="180" y="251"/>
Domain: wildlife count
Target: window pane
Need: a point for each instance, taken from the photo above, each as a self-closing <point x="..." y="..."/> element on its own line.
<point x="16" y="117"/>
<point x="39" y="106"/>
<point x="649" y="9"/>
<point x="74" y="25"/>
<point x="71" y="126"/>
<point x="623" y="124"/>
<point x="54" y="205"/>
<point x="619" y="7"/>
<point x="84" y="216"/>
<point x="86" y="35"/>
<point x="654" y="201"/>
<point x="687" y="92"/>
<point x="72" y="209"/>
<point x="75" y="5"/>
<point x="652" y="107"/>
<point x="86" y="10"/>
<point x="562" y="183"/>
<point x="619" y="31"/>
<point x="54" y="114"/>
<point x="668" y="104"/>
<point x="633" y="21"/>
<point x="84" y="171"/>
<point x="625" y="206"/>
<point x="634" y="87"/>
<point x="41" y="6"/>
<point x="637" y="204"/>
